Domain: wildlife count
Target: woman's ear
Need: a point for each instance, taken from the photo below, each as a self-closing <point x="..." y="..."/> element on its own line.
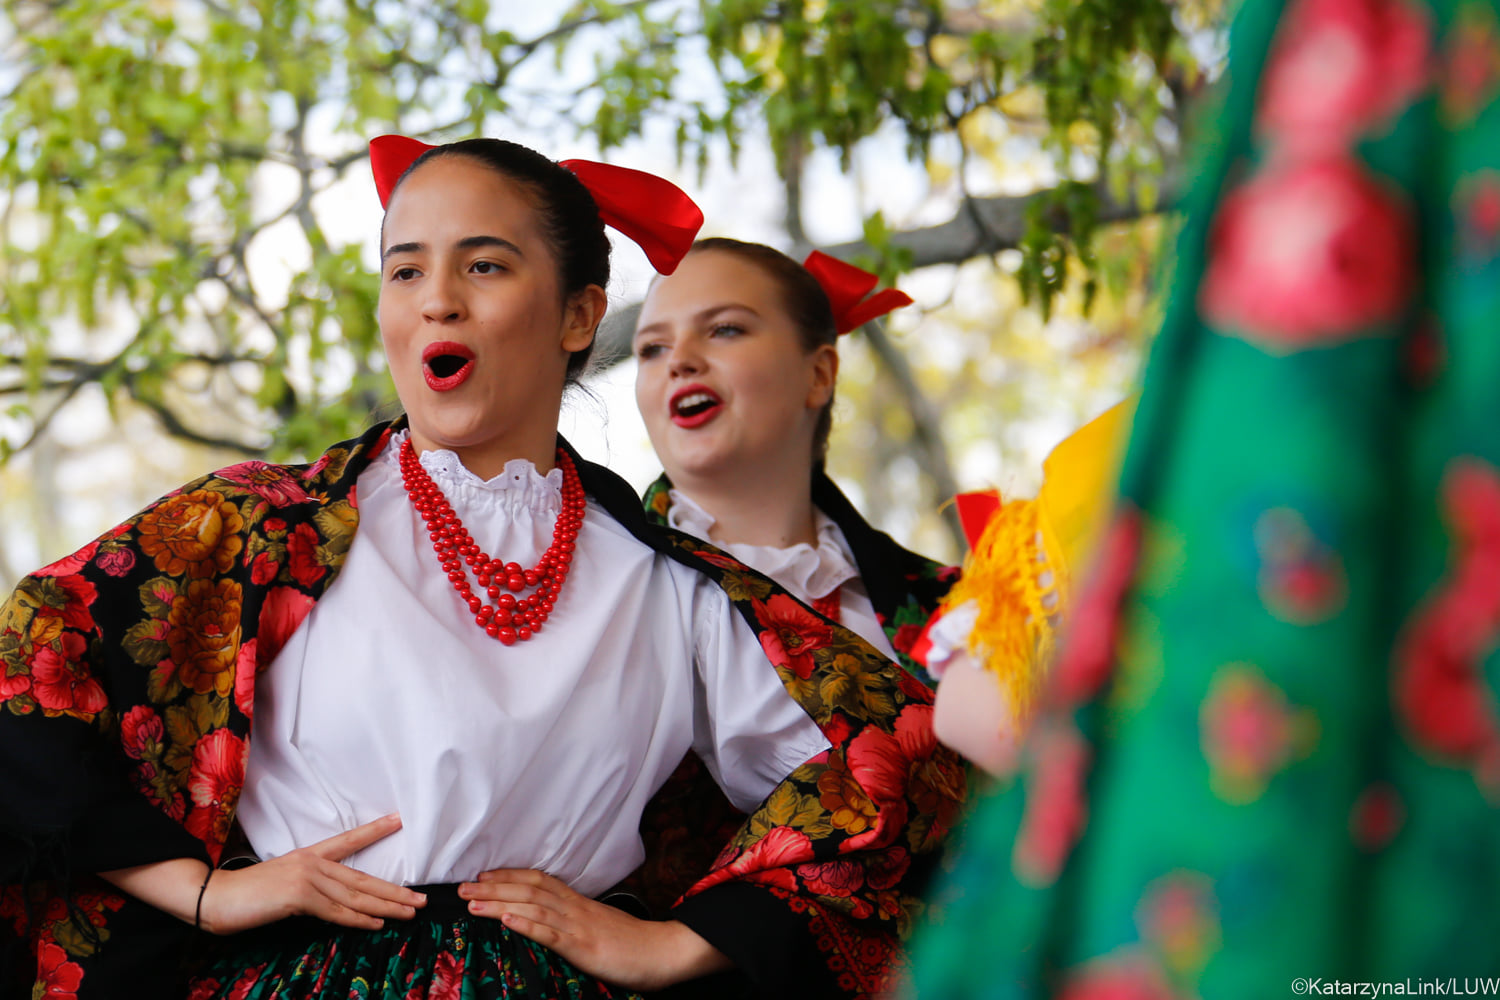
<point x="825" y="375"/>
<point x="582" y="315"/>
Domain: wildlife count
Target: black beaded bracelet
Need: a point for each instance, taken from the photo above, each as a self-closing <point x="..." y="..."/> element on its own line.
<point x="198" y="910"/>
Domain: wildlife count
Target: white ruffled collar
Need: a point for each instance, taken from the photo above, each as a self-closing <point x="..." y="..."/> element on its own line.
<point x="518" y="484"/>
<point x="808" y="571"/>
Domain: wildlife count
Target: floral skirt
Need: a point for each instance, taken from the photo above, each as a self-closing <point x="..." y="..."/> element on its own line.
<point x="443" y="953"/>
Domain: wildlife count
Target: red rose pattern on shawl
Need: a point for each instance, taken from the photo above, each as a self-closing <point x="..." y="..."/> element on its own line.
<point x="70" y="564"/>
<point x="781" y="846"/>
<point x="1438" y="683"/>
<point x="1306" y="253"/>
<point x="142" y="733"/>
<point x="1341" y="68"/>
<point x="282" y="612"/>
<point x="59" y="977"/>
<point x="302" y="555"/>
<point x="58" y="687"/>
<point x="273" y="482"/>
<point x="218" y="773"/>
<point x="69" y="609"/>
<point x="793" y="634"/>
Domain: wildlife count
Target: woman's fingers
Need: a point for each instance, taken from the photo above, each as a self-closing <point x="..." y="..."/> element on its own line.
<point x="539" y="931"/>
<point x="341" y="845"/>
<point x="338" y="888"/>
<point x="379" y="888"/>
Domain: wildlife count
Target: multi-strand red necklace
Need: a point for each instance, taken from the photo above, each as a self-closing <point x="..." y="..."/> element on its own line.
<point x="511" y="618"/>
<point x="828" y="604"/>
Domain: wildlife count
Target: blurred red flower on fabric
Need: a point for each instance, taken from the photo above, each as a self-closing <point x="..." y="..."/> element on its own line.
<point x="1439" y="688"/>
<point x="1056" y="808"/>
<point x="1088" y="653"/>
<point x="1117" y="977"/>
<point x="1340" y="69"/>
<point x="1307" y="254"/>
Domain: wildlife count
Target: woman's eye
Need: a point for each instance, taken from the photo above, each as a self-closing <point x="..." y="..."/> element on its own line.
<point x="485" y="267"/>
<point x="647" y="351"/>
<point x="727" y="330"/>
<point x="403" y="274"/>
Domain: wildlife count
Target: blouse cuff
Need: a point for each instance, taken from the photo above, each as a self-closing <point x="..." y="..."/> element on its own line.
<point x="946" y="634"/>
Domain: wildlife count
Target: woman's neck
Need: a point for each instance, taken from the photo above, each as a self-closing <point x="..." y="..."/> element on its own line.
<point x="486" y="458"/>
<point x="773" y="510"/>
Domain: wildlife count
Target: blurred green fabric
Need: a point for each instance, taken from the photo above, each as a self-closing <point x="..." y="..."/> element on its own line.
<point x="1270" y="750"/>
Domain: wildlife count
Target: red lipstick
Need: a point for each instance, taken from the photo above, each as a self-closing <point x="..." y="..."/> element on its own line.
<point x="694" y="405"/>
<point x="446" y="365"/>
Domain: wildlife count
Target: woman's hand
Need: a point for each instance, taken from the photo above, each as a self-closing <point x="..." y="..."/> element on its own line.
<point x="971" y="714"/>
<point x="595" y="937"/>
<point x="308" y="881"/>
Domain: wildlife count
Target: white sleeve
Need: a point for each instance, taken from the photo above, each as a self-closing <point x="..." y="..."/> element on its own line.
<point x="749" y="731"/>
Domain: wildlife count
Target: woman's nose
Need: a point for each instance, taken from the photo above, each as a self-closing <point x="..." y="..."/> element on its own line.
<point x="444" y="301"/>
<point x="686" y="359"/>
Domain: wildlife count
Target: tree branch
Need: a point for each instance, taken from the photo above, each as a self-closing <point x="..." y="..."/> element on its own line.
<point x="980" y="227"/>
<point x="927" y="444"/>
<point x="984" y="226"/>
<point x="176" y="428"/>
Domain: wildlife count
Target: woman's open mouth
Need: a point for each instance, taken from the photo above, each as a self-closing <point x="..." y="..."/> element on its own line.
<point x="695" y="406"/>
<point x="446" y="365"/>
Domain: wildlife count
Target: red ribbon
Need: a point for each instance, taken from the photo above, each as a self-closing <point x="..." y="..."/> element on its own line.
<point x="975" y="511"/>
<point x="652" y="211"/>
<point x="847" y="286"/>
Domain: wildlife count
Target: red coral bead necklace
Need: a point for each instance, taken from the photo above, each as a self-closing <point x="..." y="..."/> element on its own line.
<point x="510" y="618"/>
<point x="828" y="604"/>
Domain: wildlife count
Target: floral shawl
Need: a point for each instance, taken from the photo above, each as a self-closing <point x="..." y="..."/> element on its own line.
<point x="834" y="927"/>
<point x="128" y="690"/>
<point x="904" y="587"/>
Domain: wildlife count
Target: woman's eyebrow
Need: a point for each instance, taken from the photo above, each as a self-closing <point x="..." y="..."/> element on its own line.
<point x="467" y="243"/>
<point x="702" y="316"/>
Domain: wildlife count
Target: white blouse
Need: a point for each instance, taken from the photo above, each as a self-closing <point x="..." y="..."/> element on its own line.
<point x="543" y="754"/>
<point x="807" y="571"/>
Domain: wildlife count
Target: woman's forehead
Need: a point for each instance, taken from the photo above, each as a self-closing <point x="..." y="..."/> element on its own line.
<point x="452" y="194"/>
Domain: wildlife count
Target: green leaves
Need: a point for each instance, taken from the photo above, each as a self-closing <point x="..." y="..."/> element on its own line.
<point x="150" y="150"/>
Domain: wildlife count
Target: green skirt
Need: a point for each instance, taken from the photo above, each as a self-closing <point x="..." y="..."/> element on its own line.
<point x="443" y="953"/>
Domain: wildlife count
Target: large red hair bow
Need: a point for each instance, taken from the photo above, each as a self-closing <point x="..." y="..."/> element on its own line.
<point x="847" y="286"/>
<point x="651" y="210"/>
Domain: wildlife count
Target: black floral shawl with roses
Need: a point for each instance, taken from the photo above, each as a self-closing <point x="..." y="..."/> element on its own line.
<point x="833" y="927"/>
<point x="128" y="685"/>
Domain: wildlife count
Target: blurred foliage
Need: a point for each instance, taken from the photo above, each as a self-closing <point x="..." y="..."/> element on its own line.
<point x="139" y="139"/>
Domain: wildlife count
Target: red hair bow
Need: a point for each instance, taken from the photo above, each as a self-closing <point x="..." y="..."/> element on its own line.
<point x="847" y="286"/>
<point x="651" y="210"/>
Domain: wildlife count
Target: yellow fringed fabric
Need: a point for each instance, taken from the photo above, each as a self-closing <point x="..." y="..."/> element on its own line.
<point x="1019" y="572"/>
